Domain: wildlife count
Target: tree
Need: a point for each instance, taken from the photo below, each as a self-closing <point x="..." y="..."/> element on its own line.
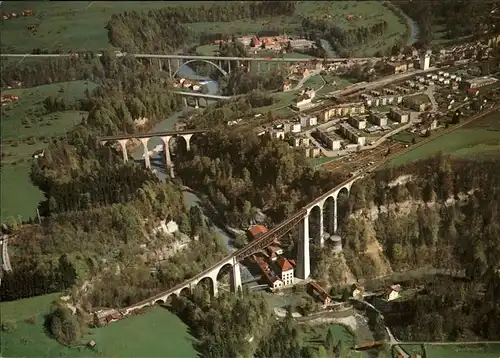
<point x="64" y="326"/>
<point x="196" y="220"/>
<point x="330" y="342"/>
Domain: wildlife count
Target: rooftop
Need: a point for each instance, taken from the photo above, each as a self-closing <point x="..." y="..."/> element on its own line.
<point x="257" y="230"/>
<point x="285" y="265"/>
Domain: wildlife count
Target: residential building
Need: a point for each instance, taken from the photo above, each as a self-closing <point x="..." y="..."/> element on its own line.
<point x="343" y="110"/>
<point x="308" y="121"/>
<point x="314" y="152"/>
<point x="303" y="140"/>
<point x="268" y="274"/>
<point x="357" y="122"/>
<point x="379" y="119"/>
<point x="416" y="103"/>
<point x="392" y="292"/>
<point x="397" y="67"/>
<point x="277" y="133"/>
<point x="260" y="131"/>
<point x="357" y="291"/>
<point x="287" y="86"/>
<point x="399" y="116"/>
<point x="286" y="271"/>
<point x="425" y="62"/>
<point x="256" y="231"/>
<point x="329" y="139"/>
<point x="274" y="252"/>
<point x="352" y="134"/>
<point x="293" y="127"/>
<point x="319" y="293"/>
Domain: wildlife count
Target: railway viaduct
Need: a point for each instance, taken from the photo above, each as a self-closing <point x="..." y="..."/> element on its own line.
<point x="232" y="261"/>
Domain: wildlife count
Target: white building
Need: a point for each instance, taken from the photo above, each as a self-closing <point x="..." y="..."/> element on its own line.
<point x="286" y="271"/>
<point x="294" y="127"/>
<point x="392" y="292"/>
<point x="306" y="121"/>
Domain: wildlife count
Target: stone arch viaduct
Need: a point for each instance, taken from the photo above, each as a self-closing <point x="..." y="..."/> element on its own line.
<point x="233" y="260"/>
<point x="144" y="138"/>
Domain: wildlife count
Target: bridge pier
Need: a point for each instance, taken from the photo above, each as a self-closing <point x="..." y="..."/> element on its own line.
<point x="123" y="145"/>
<point x="169" y="68"/>
<point x="147" y="161"/>
<point x="187" y="138"/>
<point x="166" y="151"/>
<point x="321" y="227"/>
<point x="236" y="276"/>
<point x="185" y="100"/>
<point x="303" y="261"/>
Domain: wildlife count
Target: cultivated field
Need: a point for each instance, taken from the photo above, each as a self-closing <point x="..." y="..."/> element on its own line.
<point x="156" y="333"/>
<point x="25" y="128"/>
<point x="478" y="139"/>
<point x="75" y="25"/>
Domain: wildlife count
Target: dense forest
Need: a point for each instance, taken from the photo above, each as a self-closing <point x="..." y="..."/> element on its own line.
<point x="245" y="326"/>
<point x="339" y="39"/>
<point x="455" y="19"/>
<point x="166" y="30"/>
<point x="242" y="171"/>
<point x="242" y="82"/>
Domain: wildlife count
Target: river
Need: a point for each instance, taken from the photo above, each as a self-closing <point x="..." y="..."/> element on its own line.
<point x="157" y="162"/>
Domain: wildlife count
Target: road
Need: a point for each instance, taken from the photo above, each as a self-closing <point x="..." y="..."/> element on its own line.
<point x="5" y="255"/>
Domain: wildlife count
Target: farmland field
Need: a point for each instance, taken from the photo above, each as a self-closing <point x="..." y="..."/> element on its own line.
<point x="478" y="139"/>
<point x="75" y="26"/>
<point x="156" y="333"/>
<point x="26" y="127"/>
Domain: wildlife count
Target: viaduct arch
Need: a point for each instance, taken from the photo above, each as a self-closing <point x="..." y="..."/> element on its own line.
<point x="221" y="70"/>
<point x="303" y="261"/>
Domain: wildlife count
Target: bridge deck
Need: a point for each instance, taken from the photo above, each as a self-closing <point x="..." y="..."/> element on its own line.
<point x="153" y="134"/>
<point x="210" y="58"/>
<point x="201" y="95"/>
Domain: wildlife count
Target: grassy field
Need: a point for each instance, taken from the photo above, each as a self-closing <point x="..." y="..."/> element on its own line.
<point x="156" y="333"/>
<point x="478" y="139"/>
<point x="316" y="336"/>
<point x="491" y="351"/>
<point x="25" y="128"/>
<point x="80" y="25"/>
<point x="447" y="351"/>
<point x="20" y="310"/>
<point x="68" y="25"/>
